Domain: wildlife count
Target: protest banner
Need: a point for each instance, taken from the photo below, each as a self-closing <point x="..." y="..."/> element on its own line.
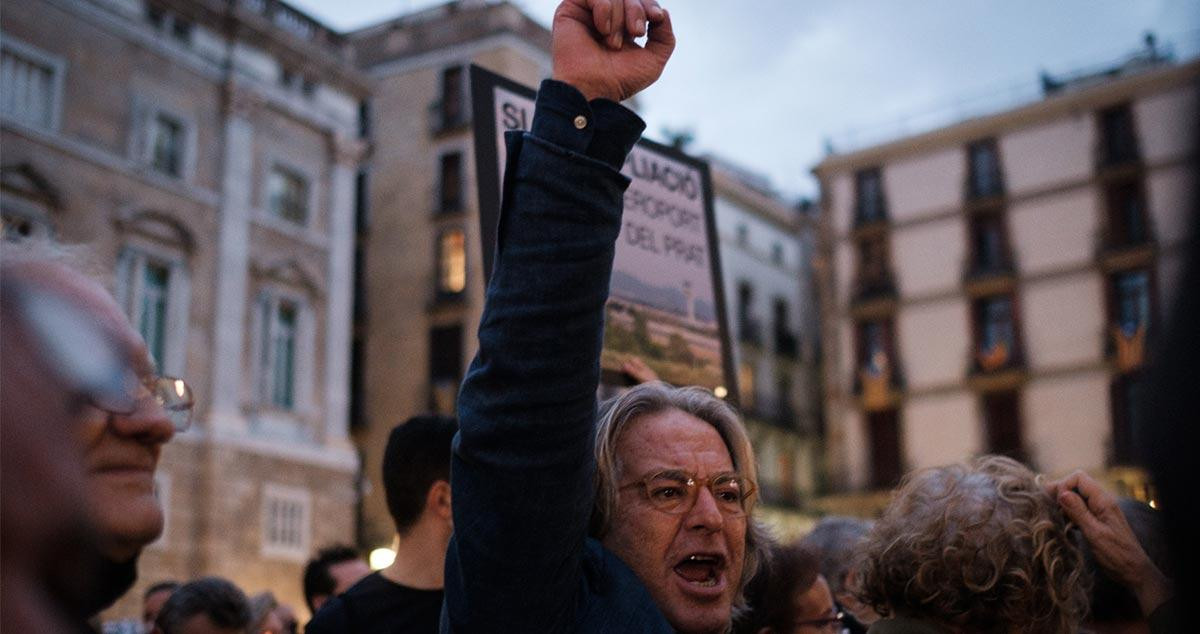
<point x="666" y="303"/>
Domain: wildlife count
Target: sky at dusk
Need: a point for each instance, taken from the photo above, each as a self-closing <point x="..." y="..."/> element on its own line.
<point x="766" y="83"/>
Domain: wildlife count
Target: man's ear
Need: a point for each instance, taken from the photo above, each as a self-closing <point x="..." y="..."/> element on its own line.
<point x="438" y="499"/>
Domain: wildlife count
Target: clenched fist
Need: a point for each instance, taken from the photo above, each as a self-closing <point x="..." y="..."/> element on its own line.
<point x="594" y="48"/>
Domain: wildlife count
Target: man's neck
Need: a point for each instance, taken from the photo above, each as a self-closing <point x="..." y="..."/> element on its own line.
<point x="420" y="557"/>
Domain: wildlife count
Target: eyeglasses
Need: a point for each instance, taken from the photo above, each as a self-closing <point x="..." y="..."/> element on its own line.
<point x="675" y="491"/>
<point x="833" y="624"/>
<point x="170" y="393"/>
<point x="93" y="368"/>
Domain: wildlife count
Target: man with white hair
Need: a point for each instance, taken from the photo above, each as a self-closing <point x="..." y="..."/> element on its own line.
<point x="638" y="523"/>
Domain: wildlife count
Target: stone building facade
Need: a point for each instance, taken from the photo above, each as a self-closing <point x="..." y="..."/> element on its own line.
<point x="767" y="249"/>
<point x="207" y="151"/>
<point x="994" y="284"/>
<point x="422" y="267"/>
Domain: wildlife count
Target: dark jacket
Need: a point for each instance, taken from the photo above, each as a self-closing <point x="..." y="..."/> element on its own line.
<point x="522" y="467"/>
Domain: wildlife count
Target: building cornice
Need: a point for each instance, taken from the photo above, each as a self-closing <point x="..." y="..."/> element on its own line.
<point x="1042" y="111"/>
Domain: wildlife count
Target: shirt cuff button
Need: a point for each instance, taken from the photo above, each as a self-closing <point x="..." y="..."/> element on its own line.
<point x="580" y="122"/>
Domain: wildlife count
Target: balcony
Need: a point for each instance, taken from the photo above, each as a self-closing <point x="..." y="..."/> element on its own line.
<point x="1001" y="367"/>
<point x="989" y="276"/>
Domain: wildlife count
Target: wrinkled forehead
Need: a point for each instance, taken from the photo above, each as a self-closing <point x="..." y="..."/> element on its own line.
<point x="672" y="439"/>
<point x="94" y="301"/>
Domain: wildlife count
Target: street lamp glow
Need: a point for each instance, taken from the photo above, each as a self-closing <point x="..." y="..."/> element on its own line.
<point x="381" y="558"/>
<point x="720" y="392"/>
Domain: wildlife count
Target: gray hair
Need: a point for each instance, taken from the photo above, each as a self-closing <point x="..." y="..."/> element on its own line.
<point x="836" y="540"/>
<point x="655" y="397"/>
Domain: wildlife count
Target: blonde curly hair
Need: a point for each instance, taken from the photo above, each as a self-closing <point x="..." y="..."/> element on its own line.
<point x="978" y="547"/>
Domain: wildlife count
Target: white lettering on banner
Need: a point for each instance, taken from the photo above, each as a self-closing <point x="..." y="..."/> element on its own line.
<point x="662" y="303"/>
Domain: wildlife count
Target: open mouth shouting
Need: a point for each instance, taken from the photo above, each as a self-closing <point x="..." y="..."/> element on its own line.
<point x="702" y="574"/>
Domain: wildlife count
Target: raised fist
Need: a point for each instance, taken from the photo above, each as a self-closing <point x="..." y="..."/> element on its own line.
<point x="594" y="48"/>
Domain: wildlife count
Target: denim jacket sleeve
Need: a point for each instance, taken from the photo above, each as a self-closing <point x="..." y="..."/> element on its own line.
<point x="522" y="465"/>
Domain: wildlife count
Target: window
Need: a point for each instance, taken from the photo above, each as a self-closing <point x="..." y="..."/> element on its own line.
<point x="1117" y="137"/>
<point x="166" y="145"/>
<point x="287" y="195"/>
<point x="278" y="353"/>
<point x="869" y="202"/>
<point x="286" y="520"/>
<point x="785" y="341"/>
<point x="445" y="367"/>
<point x="1131" y="301"/>
<point x="777" y="254"/>
<point x="152" y="313"/>
<point x="1126" y="205"/>
<point x="30" y="85"/>
<point x="1002" y="420"/>
<point x="450" y="183"/>
<point x="883" y="429"/>
<point x="996" y="333"/>
<point x="1127" y="393"/>
<point x="151" y="291"/>
<point x="874" y="277"/>
<point x="984" y="170"/>
<point x="169" y="23"/>
<point x="743" y="235"/>
<point x="452" y="262"/>
<point x="989" y="252"/>
<point x="748" y="328"/>
<point x="452" y="109"/>
<point x="362" y="202"/>
<point x="874" y="348"/>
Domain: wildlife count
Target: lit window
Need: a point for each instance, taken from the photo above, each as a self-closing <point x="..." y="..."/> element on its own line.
<point x="286" y="519"/>
<point x="452" y="262"/>
<point x="278" y="353"/>
<point x="30" y="82"/>
<point x="166" y="145"/>
<point x="287" y="195"/>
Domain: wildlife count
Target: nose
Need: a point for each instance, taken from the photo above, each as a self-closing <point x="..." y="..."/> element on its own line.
<point x="705" y="514"/>
<point x="147" y="424"/>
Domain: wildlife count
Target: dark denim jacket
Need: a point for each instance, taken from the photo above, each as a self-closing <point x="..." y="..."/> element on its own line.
<point x="522" y="468"/>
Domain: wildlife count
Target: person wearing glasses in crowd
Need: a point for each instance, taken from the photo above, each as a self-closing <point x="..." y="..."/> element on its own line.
<point x="116" y="411"/>
<point x="635" y="520"/>
<point x="791" y="596"/>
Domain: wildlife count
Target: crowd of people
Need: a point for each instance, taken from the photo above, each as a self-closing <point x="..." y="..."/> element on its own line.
<point x="540" y="509"/>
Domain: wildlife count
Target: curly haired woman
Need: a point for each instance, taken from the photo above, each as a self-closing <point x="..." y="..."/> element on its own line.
<point x="974" y="548"/>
